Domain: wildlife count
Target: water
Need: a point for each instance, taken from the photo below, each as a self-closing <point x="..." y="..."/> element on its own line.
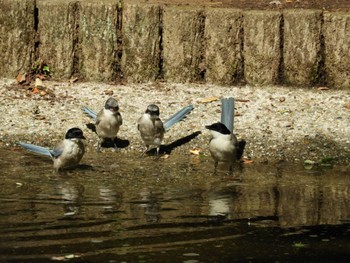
<point x="119" y="209"/>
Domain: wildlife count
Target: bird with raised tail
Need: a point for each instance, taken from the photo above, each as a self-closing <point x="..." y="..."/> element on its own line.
<point x="67" y="154"/>
<point x="224" y="146"/>
<point x="107" y="121"/>
<point x="152" y="128"/>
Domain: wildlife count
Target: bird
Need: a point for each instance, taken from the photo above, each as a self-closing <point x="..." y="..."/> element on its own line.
<point x="107" y="121"/>
<point x="66" y="154"/>
<point x="152" y="128"/>
<point x="224" y="146"/>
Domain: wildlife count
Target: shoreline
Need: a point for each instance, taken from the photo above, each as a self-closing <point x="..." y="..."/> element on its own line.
<point x="278" y="123"/>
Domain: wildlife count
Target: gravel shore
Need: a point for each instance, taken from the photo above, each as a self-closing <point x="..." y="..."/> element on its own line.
<point x="278" y="123"/>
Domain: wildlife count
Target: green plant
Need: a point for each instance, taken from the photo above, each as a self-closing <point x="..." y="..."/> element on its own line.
<point x="40" y="67"/>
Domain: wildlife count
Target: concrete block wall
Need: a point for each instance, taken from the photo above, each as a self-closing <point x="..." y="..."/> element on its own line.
<point x="301" y="46"/>
<point x="17" y="35"/>
<point x="112" y="39"/>
<point x="223" y="45"/>
<point x="262" y="47"/>
<point x="141" y="33"/>
<point x="183" y="50"/>
<point x="57" y="33"/>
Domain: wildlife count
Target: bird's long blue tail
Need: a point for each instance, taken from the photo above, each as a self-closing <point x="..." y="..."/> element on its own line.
<point x="89" y="112"/>
<point x="36" y="149"/>
<point x="227" y="112"/>
<point x="180" y="115"/>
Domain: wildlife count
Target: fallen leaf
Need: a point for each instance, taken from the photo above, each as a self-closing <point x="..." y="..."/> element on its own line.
<point x="39" y="117"/>
<point x="208" y="99"/>
<point x="195" y="151"/>
<point x="242" y="100"/>
<point x="71" y="256"/>
<point x="42" y="77"/>
<point x="247" y="161"/>
<point x="21" y="78"/>
<point x="35" y="90"/>
<point x="58" y="258"/>
<point x="108" y="92"/>
<point x="322" y="88"/>
<point x="166" y="156"/>
<point x="72" y="80"/>
<point x="38" y="83"/>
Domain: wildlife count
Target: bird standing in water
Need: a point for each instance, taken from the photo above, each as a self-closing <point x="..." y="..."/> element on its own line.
<point x="224" y="146"/>
<point x="67" y="154"/>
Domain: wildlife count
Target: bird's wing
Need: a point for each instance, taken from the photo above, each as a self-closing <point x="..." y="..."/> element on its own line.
<point x="227" y="112"/>
<point x="180" y="115"/>
<point x="99" y="117"/>
<point x="58" y="150"/>
<point x="159" y="126"/>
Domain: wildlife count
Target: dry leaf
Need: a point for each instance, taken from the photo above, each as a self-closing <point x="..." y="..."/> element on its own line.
<point x="35" y="90"/>
<point x="21" y="78"/>
<point x="322" y="88"/>
<point x="247" y="161"/>
<point x="195" y="151"/>
<point x="72" y="80"/>
<point x="108" y="92"/>
<point x="39" y="117"/>
<point x="166" y="156"/>
<point x="208" y="99"/>
<point x="242" y="100"/>
<point x="58" y="258"/>
<point x="42" y="77"/>
<point x="38" y="83"/>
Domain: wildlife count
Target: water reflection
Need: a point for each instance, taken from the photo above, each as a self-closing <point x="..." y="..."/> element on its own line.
<point x="123" y="209"/>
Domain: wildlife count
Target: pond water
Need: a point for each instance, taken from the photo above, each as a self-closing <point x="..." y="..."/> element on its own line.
<point x="118" y="208"/>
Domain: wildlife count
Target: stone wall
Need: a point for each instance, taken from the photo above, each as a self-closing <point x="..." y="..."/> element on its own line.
<point x="113" y="39"/>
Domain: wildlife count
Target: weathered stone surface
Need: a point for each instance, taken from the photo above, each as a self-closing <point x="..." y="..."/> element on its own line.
<point x="337" y="47"/>
<point x="223" y="45"/>
<point x="57" y="31"/>
<point x="17" y="36"/>
<point x="141" y="42"/>
<point x="262" y="53"/>
<point x="302" y="46"/>
<point x="98" y="45"/>
<point x="183" y="51"/>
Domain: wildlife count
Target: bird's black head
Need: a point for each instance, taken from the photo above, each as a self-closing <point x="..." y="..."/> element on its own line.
<point x="74" y="133"/>
<point x="112" y="105"/>
<point x="153" y="109"/>
<point x="218" y="127"/>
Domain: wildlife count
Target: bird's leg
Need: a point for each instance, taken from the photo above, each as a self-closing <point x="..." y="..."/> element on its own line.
<point x="230" y="171"/>
<point x="100" y="141"/>
<point x="158" y="152"/>
<point x="215" y="167"/>
<point x="143" y="153"/>
<point x="115" y="144"/>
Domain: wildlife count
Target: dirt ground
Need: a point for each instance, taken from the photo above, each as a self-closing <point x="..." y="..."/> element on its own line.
<point x="329" y="5"/>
